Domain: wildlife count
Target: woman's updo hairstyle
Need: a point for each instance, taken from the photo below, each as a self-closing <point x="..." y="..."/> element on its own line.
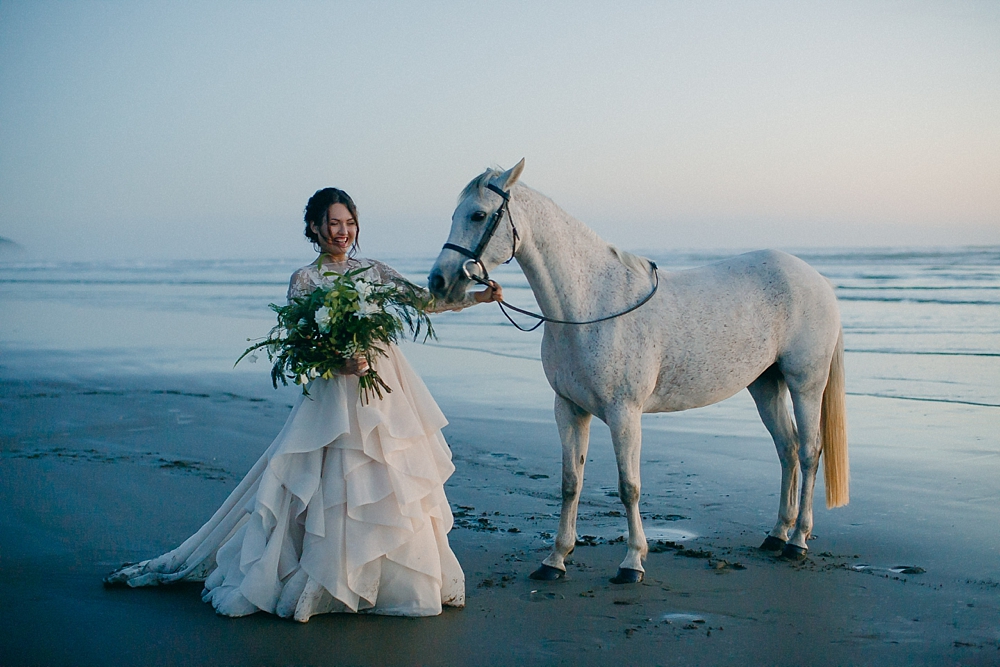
<point x="320" y="203"/>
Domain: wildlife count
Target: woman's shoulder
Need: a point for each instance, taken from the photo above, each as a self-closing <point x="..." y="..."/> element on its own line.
<point x="386" y="273"/>
<point x="308" y="272"/>
<point x="375" y="264"/>
<point x="303" y="281"/>
<point x="308" y="268"/>
<point x="314" y="273"/>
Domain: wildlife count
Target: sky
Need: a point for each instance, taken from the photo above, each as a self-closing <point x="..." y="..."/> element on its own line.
<point x="199" y="129"/>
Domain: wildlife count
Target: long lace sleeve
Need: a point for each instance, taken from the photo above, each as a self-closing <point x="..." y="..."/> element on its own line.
<point x="389" y="274"/>
<point x="301" y="284"/>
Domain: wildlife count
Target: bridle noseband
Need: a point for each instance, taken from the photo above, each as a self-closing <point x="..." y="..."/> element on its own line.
<point x="475" y="258"/>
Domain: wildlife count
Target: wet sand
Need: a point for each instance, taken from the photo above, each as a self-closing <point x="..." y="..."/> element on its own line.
<point x="98" y="470"/>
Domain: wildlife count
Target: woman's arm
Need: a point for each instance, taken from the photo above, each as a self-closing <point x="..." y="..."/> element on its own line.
<point x="492" y="293"/>
<point x="301" y="284"/>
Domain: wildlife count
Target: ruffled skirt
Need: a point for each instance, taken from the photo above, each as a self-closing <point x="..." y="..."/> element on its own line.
<point x="344" y="512"/>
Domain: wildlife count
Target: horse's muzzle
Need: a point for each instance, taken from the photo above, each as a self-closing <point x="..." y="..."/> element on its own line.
<point x="437" y="284"/>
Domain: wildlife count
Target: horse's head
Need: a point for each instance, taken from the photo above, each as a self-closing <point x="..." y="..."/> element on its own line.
<point x="481" y="237"/>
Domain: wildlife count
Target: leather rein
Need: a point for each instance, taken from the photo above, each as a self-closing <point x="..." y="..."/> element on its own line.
<point x="475" y="259"/>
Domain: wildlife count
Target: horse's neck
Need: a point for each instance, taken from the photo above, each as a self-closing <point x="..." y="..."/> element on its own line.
<point x="564" y="261"/>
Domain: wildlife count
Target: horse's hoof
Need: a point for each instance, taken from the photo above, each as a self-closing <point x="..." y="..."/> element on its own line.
<point x="793" y="553"/>
<point x="547" y="573"/>
<point x="772" y="543"/>
<point x="627" y="576"/>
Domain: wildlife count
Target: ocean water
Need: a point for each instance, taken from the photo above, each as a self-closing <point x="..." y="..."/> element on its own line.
<point x="921" y="330"/>
<point x="920" y="325"/>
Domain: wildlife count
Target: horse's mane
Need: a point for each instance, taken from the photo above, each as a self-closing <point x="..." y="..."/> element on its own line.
<point x="479" y="183"/>
<point x="632" y="262"/>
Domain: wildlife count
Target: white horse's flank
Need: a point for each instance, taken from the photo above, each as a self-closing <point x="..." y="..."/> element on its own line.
<point x="764" y="320"/>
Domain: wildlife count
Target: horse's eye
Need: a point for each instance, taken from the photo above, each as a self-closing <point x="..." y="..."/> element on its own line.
<point x="479" y="216"/>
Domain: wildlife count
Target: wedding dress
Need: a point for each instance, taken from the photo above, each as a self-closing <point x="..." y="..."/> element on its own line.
<point x="344" y="512"/>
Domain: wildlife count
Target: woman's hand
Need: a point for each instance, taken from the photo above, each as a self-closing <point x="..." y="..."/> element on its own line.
<point x="492" y="293"/>
<point x="355" y="366"/>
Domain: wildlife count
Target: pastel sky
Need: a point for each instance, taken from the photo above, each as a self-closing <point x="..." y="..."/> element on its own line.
<point x="200" y="128"/>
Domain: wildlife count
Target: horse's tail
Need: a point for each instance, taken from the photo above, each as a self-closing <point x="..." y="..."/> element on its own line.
<point x="833" y="432"/>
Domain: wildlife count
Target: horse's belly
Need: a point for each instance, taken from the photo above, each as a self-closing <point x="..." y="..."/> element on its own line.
<point x="708" y="379"/>
<point x="687" y="398"/>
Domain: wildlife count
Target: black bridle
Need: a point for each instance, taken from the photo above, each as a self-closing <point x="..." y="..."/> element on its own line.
<point x="475" y="258"/>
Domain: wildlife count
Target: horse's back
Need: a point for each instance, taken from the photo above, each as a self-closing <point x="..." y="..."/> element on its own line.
<point x="723" y="324"/>
<point x="706" y="334"/>
<point x="768" y="285"/>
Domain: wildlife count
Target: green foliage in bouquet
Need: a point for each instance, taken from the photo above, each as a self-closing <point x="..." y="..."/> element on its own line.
<point x="352" y="317"/>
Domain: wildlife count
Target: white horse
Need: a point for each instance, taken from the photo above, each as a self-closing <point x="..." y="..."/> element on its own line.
<point x="764" y="320"/>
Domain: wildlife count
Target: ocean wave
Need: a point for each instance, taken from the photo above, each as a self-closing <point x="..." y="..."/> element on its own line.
<point x="964" y="256"/>
<point x="933" y="353"/>
<point x="472" y="348"/>
<point x="924" y="399"/>
<point x="913" y="299"/>
<point x="918" y="288"/>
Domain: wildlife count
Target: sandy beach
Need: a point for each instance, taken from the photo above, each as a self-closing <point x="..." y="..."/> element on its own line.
<point x="105" y="470"/>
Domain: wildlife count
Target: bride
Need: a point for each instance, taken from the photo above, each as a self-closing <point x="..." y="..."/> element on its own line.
<point x="345" y="511"/>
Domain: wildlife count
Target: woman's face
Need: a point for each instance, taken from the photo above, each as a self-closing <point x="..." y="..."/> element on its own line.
<point x="337" y="232"/>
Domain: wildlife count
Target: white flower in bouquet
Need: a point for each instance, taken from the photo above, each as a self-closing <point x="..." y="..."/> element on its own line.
<point x="323" y="319"/>
<point x="366" y="305"/>
<point x="363" y="288"/>
<point x="367" y="308"/>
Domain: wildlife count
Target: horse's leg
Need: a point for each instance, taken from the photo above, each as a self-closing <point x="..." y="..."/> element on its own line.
<point x="626" y="434"/>
<point x="770" y="393"/>
<point x="807" y="403"/>
<point x="574" y="431"/>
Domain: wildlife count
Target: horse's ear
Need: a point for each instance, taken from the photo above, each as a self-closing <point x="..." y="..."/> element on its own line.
<point x="506" y="180"/>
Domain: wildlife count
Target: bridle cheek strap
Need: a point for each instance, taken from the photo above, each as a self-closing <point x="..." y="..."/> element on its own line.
<point x="475" y="256"/>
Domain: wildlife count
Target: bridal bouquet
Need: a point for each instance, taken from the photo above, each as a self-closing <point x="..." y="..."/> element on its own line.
<point x="352" y="317"/>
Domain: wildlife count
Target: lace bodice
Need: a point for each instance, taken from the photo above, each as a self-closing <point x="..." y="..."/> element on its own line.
<point x="310" y="276"/>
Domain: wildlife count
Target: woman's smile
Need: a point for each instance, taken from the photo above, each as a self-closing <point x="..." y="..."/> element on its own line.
<point x="337" y="232"/>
